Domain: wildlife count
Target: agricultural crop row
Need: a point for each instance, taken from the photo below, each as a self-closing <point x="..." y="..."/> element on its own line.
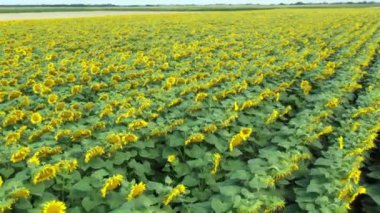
<point x="245" y="111"/>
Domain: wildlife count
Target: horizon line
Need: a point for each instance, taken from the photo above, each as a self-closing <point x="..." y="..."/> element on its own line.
<point x="137" y="5"/>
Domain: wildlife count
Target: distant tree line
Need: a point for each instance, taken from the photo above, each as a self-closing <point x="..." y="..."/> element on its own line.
<point x="157" y="5"/>
<point x="62" y="5"/>
<point x="349" y="2"/>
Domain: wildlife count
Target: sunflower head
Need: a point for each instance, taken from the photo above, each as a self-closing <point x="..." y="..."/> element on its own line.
<point x="172" y="158"/>
<point x="20" y="193"/>
<point x="136" y="190"/>
<point x="54" y="206"/>
<point x="36" y="118"/>
<point x="245" y="133"/>
<point x="53" y="98"/>
<point x="129" y="137"/>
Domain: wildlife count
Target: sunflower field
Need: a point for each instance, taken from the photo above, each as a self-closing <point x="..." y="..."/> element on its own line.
<point x="256" y="111"/>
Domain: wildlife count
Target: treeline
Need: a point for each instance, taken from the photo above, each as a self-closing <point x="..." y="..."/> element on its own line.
<point x="349" y="2"/>
<point x="158" y="5"/>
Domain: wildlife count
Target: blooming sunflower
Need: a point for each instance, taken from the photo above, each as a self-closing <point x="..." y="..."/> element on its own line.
<point x="93" y="152"/>
<point x="54" y="206"/>
<point x="53" y="98"/>
<point x="245" y="133"/>
<point x="174" y="193"/>
<point x="36" y="118"/>
<point x="136" y="190"/>
<point x="111" y="184"/>
<point x="172" y="158"/>
<point x="47" y="172"/>
<point x="20" y="154"/>
<point x="20" y="193"/>
<point x="195" y="138"/>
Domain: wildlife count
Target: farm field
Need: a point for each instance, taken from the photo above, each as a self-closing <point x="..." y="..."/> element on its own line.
<point x="82" y="14"/>
<point x="250" y="111"/>
<point x="210" y="7"/>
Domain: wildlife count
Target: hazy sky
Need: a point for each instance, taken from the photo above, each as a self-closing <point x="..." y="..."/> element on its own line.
<point x="143" y="2"/>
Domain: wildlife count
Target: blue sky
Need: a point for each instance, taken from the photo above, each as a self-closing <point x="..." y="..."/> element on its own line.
<point x="143" y="2"/>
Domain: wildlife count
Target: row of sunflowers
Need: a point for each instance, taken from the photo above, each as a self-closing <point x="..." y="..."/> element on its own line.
<point x="256" y="111"/>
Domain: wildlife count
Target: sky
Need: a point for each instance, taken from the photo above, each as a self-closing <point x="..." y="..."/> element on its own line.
<point x="144" y="2"/>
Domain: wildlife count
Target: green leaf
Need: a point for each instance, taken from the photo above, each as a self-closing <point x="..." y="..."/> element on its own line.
<point x="219" y="144"/>
<point x="89" y="204"/>
<point x="83" y="185"/>
<point x="120" y="157"/>
<point x="147" y="201"/>
<point x="195" y="151"/>
<point x="140" y="169"/>
<point x="314" y="186"/>
<point x="115" y="200"/>
<point x="201" y="194"/>
<point x="176" y="140"/>
<point x="246" y="120"/>
<point x="158" y="187"/>
<point x="212" y="139"/>
<point x="240" y="175"/>
<point x="23" y="204"/>
<point x="168" y="180"/>
<point x="196" y="163"/>
<point x="218" y="206"/>
<point x="182" y="169"/>
<point x="322" y="162"/>
<point x="230" y="190"/>
<point x="374" y="174"/>
<point x="190" y="181"/>
<point x="150" y="154"/>
<point x="374" y="192"/>
<point x="76" y="209"/>
<point x="235" y="153"/>
<point x="232" y="165"/>
<point x="97" y="163"/>
<point x="6" y="172"/>
<point x="100" y="174"/>
<point x="37" y="189"/>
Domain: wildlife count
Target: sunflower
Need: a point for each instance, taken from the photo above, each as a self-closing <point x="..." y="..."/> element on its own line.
<point x="210" y="128"/>
<point x="177" y="191"/>
<point x="216" y="163"/>
<point x="12" y="138"/>
<point x="137" y="124"/>
<point x="136" y="190"/>
<point x="245" y="133"/>
<point x="36" y="118"/>
<point x="200" y="96"/>
<point x="54" y="206"/>
<point x="111" y="184"/>
<point x="235" y="141"/>
<point x="20" y="154"/>
<point x="67" y="165"/>
<point x="6" y="205"/>
<point x="306" y="87"/>
<point x="272" y="117"/>
<point x="172" y="158"/>
<point x="37" y="88"/>
<point x="93" y="152"/>
<point x="47" y="172"/>
<point x="20" y="193"/>
<point x="195" y="138"/>
<point x="53" y="98"/>
<point x="332" y="103"/>
<point x="114" y="138"/>
<point x="76" y="89"/>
